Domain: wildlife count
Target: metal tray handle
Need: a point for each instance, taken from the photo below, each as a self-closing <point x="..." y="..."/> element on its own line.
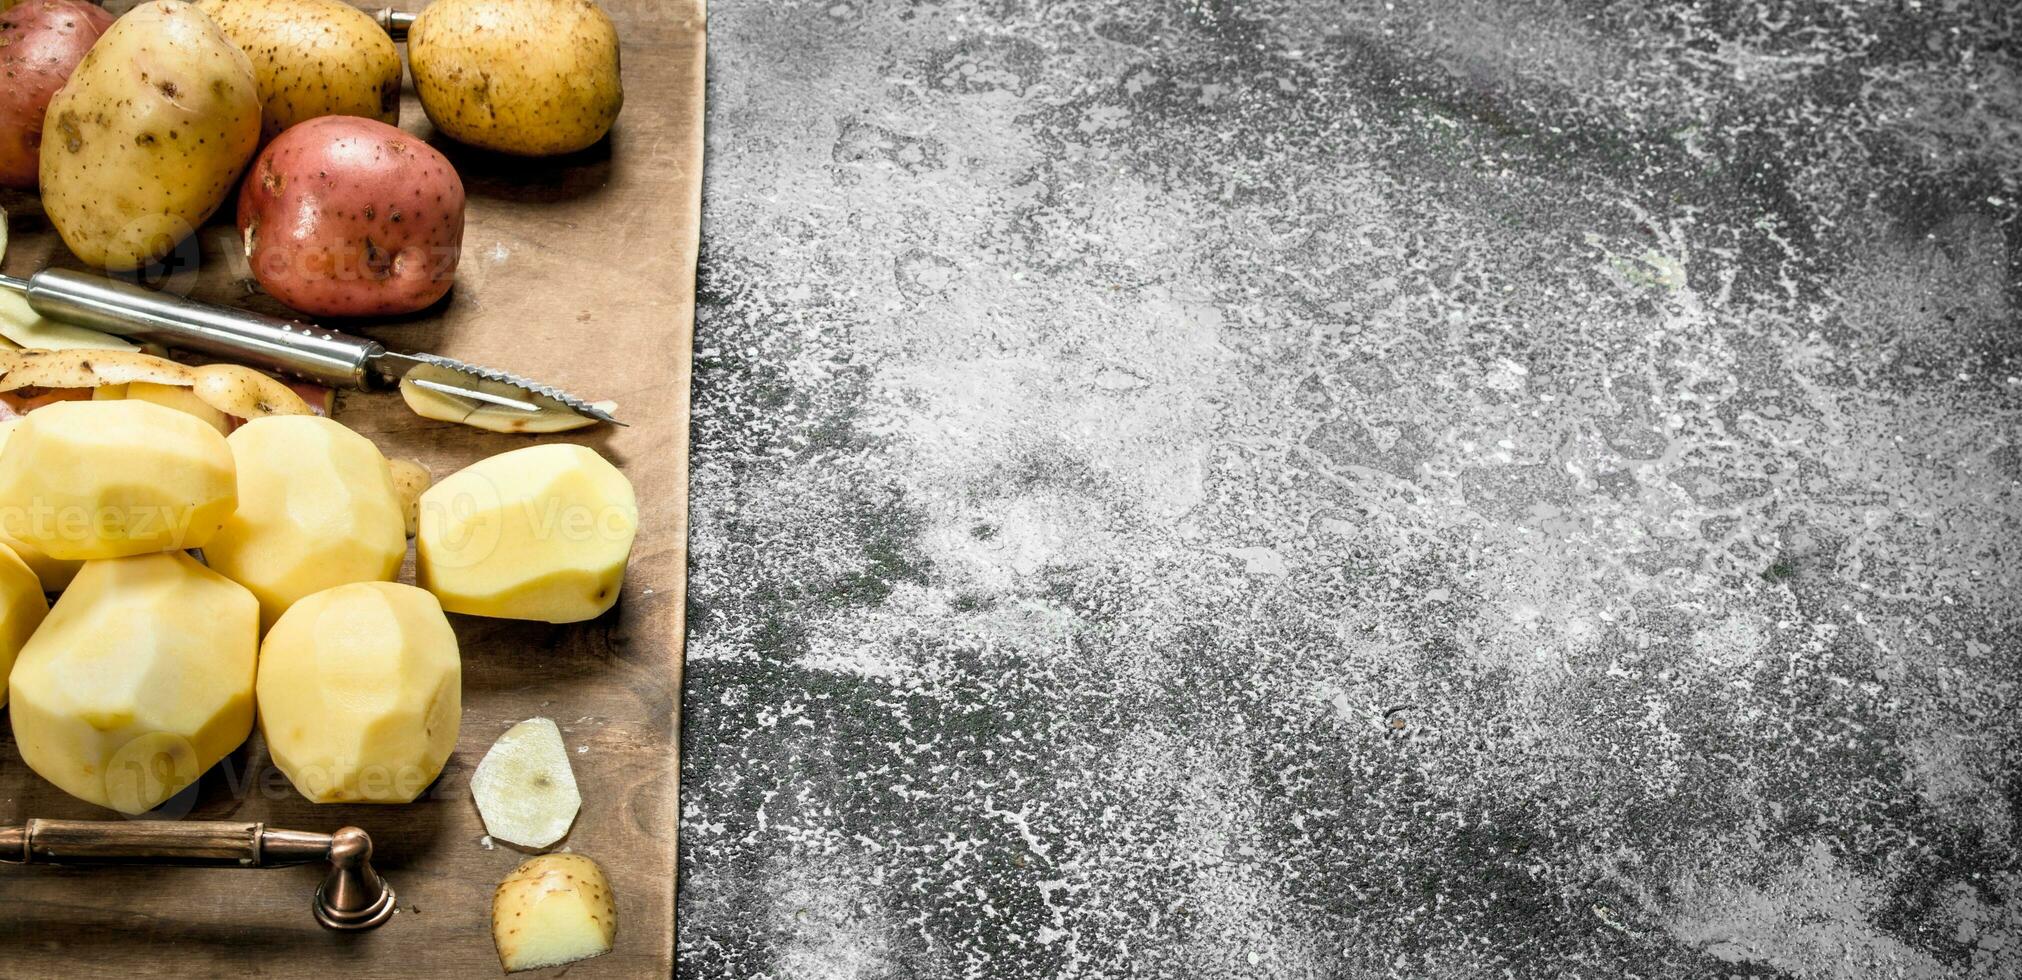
<point x="352" y="895"/>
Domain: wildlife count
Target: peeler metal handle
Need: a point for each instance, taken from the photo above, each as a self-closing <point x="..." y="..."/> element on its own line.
<point x="352" y="895"/>
<point x="136" y="312"/>
<point x="395" y="22"/>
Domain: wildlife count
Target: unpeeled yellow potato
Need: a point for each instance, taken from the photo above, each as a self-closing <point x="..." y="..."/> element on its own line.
<point x="55" y="574"/>
<point x="104" y="479"/>
<point x="22" y="607"/>
<point x="146" y="138"/>
<point x="139" y="680"/>
<point x="553" y="909"/>
<point x="531" y="77"/>
<point x="539" y="533"/>
<point x="312" y="58"/>
<point x="361" y="692"/>
<point x="317" y="509"/>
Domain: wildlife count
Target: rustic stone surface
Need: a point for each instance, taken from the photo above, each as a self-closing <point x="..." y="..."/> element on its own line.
<point x="1313" y="489"/>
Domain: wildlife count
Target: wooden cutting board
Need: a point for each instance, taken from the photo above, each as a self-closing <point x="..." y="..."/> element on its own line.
<point x="578" y="272"/>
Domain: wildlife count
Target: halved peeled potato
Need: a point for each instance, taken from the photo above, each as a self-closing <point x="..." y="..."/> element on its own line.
<point x="554" y="909"/>
<point x="524" y="788"/>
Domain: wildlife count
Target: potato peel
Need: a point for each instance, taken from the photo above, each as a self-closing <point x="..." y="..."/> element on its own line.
<point x="233" y="389"/>
<point x="410" y="478"/>
<point x="444" y="407"/>
<point x="22" y="327"/>
<point x="77" y="368"/>
<point x="524" y="788"/>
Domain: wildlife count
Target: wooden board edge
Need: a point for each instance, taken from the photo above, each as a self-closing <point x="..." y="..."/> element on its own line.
<point x="688" y="247"/>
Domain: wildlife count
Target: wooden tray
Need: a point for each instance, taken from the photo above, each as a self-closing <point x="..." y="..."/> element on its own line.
<point x="578" y="272"/>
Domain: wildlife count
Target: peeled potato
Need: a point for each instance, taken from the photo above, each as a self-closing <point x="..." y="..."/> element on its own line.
<point x="554" y="909"/>
<point x="139" y="680"/>
<point x="55" y="574"/>
<point x="91" y="479"/>
<point x="22" y="607"/>
<point x="317" y="509"/>
<point x="524" y="788"/>
<point x="539" y="533"/>
<point x="361" y="691"/>
<point x="168" y="396"/>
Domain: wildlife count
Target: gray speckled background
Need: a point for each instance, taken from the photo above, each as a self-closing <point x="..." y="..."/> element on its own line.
<point x="1315" y="489"/>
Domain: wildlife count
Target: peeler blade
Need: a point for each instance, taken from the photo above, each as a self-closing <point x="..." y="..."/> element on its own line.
<point x="394" y="366"/>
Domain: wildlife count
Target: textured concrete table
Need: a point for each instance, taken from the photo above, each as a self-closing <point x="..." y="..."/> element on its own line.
<point x="1319" y="489"/>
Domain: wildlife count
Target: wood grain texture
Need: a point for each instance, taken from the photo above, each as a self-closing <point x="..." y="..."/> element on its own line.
<point x="579" y="272"/>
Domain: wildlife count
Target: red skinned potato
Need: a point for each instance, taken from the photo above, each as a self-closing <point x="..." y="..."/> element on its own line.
<point x="346" y="216"/>
<point x="40" y="42"/>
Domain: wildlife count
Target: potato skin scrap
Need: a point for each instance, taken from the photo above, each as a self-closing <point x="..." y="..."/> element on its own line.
<point x="82" y="368"/>
<point x="442" y="407"/>
<point x="553" y="909"/>
<point x="233" y="389"/>
<point x="410" y="479"/>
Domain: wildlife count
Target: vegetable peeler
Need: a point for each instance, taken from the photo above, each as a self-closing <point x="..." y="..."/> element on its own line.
<point x="289" y="346"/>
